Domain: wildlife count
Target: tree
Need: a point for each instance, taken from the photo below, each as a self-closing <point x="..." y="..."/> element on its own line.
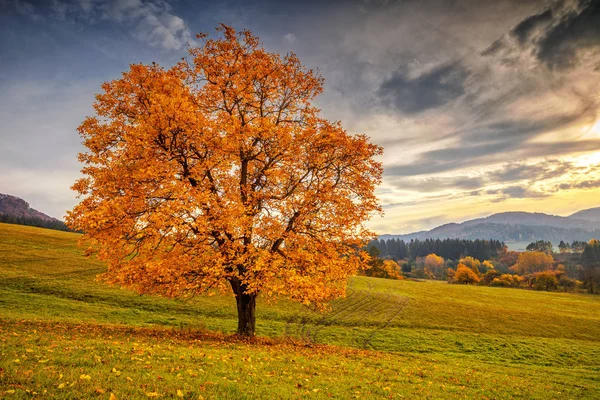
<point x="564" y="247"/>
<point x="490" y="275"/>
<point x="545" y="280"/>
<point x="486" y="266"/>
<point x="219" y="172"/>
<point x="590" y="265"/>
<point x="435" y="264"/>
<point x="540" y="245"/>
<point x="378" y="268"/>
<point x="577" y="246"/>
<point x="465" y="274"/>
<point x="533" y="261"/>
<point x="471" y="263"/>
<point x="507" y="258"/>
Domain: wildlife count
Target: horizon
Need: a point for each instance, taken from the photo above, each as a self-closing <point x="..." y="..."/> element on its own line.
<point x="481" y="107"/>
<point x="458" y="222"/>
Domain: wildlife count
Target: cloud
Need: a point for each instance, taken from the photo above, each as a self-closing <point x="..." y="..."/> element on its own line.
<point x="525" y="28"/>
<point x="27" y="10"/>
<point x="576" y="32"/>
<point x="515" y="192"/>
<point x="290" y="38"/>
<point x="434" y="184"/>
<point x="527" y="173"/>
<point x="587" y="184"/>
<point x="534" y="172"/>
<point x="430" y="90"/>
<point x="150" y="21"/>
<point x="453" y="158"/>
<point x="558" y="37"/>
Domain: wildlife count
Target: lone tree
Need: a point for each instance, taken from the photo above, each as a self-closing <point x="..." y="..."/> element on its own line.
<point x="219" y="172"/>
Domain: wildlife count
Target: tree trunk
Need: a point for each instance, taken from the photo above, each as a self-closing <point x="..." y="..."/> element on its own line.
<point x="246" y="307"/>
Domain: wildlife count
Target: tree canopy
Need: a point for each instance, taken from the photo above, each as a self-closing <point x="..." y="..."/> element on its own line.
<point x="220" y="172"/>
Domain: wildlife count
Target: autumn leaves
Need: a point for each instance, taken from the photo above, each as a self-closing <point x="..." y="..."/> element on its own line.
<point x="221" y="173"/>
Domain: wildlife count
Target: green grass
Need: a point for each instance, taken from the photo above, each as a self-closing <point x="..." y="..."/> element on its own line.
<point x="386" y="339"/>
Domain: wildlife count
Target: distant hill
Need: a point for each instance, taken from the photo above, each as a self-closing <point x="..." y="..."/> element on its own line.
<point x="517" y="227"/>
<point x="591" y="214"/>
<point x="15" y="210"/>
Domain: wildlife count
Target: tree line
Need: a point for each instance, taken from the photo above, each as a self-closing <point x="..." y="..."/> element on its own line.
<point x="34" y="221"/>
<point x="537" y="268"/>
<point x="453" y="249"/>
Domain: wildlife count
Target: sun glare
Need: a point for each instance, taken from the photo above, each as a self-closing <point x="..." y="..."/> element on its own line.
<point x="596" y="128"/>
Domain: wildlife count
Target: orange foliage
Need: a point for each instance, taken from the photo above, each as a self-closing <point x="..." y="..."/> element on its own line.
<point x="222" y="171"/>
<point x="508" y="280"/>
<point x="465" y="275"/>
<point x="471" y="263"/>
<point x="434" y="261"/>
<point x="532" y="261"/>
<point x="392" y="270"/>
<point x="487" y="265"/>
<point x="433" y="266"/>
<point x="508" y="258"/>
<point x="546" y="280"/>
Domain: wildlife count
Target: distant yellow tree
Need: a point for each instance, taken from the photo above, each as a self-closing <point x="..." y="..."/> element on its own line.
<point x="465" y="275"/>
<point x="545" y="280"/>
<point x="507" y="280"/>
<point x="471" y="263"/>
<point x="487" y="265"/>
<point x="434" y="264"/>
<point x="450" y="274"/>
<point x="533" y="261"/>
<point x="392" y="269"/>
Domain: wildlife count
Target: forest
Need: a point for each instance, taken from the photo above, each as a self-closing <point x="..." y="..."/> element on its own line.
<point x="575" y="268"/>
<point x="34" y="221"/>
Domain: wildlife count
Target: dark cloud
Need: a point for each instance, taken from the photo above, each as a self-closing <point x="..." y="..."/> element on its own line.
<point x="576" y="31"/>
<point x="514" y="131"/>
<point x="430" y="90"/>
<point x="509" y="172"/>
<point x="589" y="184"/>
<point x="524" y="29"/>
<point x="516" y="192"/>
<point x="438" y="183"/>
<point x="444" y="160"/>
<point x="557" y="36"/>
<point x="494" y="48"/>
<point x="534" y="172"/>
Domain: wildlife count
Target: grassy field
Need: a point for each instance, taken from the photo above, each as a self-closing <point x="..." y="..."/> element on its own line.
<point x="63" y="335"/>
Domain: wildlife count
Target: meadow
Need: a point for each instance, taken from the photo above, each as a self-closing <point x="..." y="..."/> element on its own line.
<point x="65" y="335"/>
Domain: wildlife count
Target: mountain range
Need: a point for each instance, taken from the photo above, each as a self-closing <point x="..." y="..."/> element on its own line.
<point x="509" y="227"/>
<point x="517" y="227"/>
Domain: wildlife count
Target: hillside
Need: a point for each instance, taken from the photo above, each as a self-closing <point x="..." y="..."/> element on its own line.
<point x="516" y="227"/>
<point x="17" y="207"/>
<point x="14" y="210"/>
<point x="592" y="214"/>
<point x="398" y="338"/>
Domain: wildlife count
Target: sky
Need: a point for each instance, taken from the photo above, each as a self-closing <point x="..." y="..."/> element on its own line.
<point x="480" y="106"/>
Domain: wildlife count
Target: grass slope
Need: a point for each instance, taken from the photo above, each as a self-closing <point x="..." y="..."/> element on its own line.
<point x="66" y="336"/>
